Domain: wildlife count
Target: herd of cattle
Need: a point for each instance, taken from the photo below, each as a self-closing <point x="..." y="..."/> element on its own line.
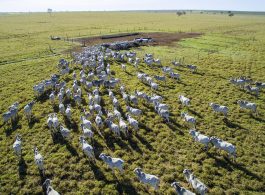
<point x="95" y="76"/>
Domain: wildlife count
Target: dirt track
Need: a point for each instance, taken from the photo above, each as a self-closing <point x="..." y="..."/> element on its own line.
<point x="159" y="38"/>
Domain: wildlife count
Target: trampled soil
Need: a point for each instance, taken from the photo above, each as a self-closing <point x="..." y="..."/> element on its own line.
<point x="159" y="38"/>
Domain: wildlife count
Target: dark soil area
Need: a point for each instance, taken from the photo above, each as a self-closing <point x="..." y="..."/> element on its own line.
<point x="159" y="38"/>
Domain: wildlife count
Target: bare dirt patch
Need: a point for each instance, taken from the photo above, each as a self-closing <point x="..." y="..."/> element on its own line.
<point x="159" y="38"/>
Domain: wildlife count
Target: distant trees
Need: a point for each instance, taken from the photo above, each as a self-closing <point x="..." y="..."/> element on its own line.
<point x="179" y="13"/>
<point x="230" y="13"/>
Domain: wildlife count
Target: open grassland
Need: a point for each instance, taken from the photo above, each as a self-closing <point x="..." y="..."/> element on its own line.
<point x="230" y="47"/>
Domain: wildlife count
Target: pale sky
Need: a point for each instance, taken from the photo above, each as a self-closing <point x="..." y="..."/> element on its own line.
<point x="101" y="5"/>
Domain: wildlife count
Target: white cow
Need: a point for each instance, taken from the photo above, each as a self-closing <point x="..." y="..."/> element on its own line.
<point x="86" y="123"/>
<point x="134" y="111"/>
<point x="219" y="108"/>
<point x="50" y="121"/>
<point x="123" y="67"/>
<point x="184" y="100"/>
<point x="248" y="105"/>
<point x="254" y="90"/>
<point x="193" y="68"/>
<point x="154" y="86"/>
<point x="17" y="146"/>
<point x="28" y="109"/>
<point x="61" y="108"/>
<point x="147" y="178"/>
<point x="99" y="121"/>
<point x="55" y="122"/>
<point x="77" y="99"/>
<point x="113" y="127"/>
<point x="123" y="127"/>
<point x="87" y="132"/>
<point x="64" y="132"/>
<point x="112" y="162"/>
<point x="68" y="112"/>
<point x="198" y="137"/>
<point x="174" y="75"/>
<point x="198" y="186"/>
<point x="189" y="119"/>
<point x="39" y="161"/>
<point x="52" y="97"/>
<point x="87" y="149"/>
<point x="68" y="93"/>
<point x="132" y="122"/>
<point x="223" y="145"/>
<point x="181" y="190"/>
<point x="49" y="188"/>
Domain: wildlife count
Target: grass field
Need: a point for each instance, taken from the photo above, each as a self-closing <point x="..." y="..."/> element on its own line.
<point x="229" y="47"/>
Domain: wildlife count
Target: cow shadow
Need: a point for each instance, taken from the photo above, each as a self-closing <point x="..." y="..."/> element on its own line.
<point x="134" y="145"/>
<point x="67" y="79"/>
<point x="257" y="118"/>
<point x="57" y="138"/>
<point x="195" y="113"/>
<point x="169" y="86"/>
<point x="125" y="187"/>
<point x="173" y="121"/>
<point x="98" y="174"/>
<point x="143" y="126"/>
<point x="43" y="97"/>
<point x="230" y="124"/>
<point x="71" y="124"/>
<point x="110" y="139"/>
<point x="98" y="148"/>
<point x="128" y="73"/>
<point x="199" y="73"/>
<point x="55" y="108"/>
<point x="174" y="127"/>
<point x="33" y="121"/>
<point x="229" y="165"/>
<point x="123" y="145"/>
<point x="144" y="142"/>
<point x="182" y="83"/>
<point x="22" y="168"/>
<point x="13" y="127"/>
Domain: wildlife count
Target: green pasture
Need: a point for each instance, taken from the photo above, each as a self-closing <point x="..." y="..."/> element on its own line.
<point x="229" y="47"/>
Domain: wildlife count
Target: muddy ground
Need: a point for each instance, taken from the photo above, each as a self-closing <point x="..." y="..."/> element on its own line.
<point x="159" y="38"/>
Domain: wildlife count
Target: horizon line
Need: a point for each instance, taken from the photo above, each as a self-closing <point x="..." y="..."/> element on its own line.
<point x="131" y="10"/>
